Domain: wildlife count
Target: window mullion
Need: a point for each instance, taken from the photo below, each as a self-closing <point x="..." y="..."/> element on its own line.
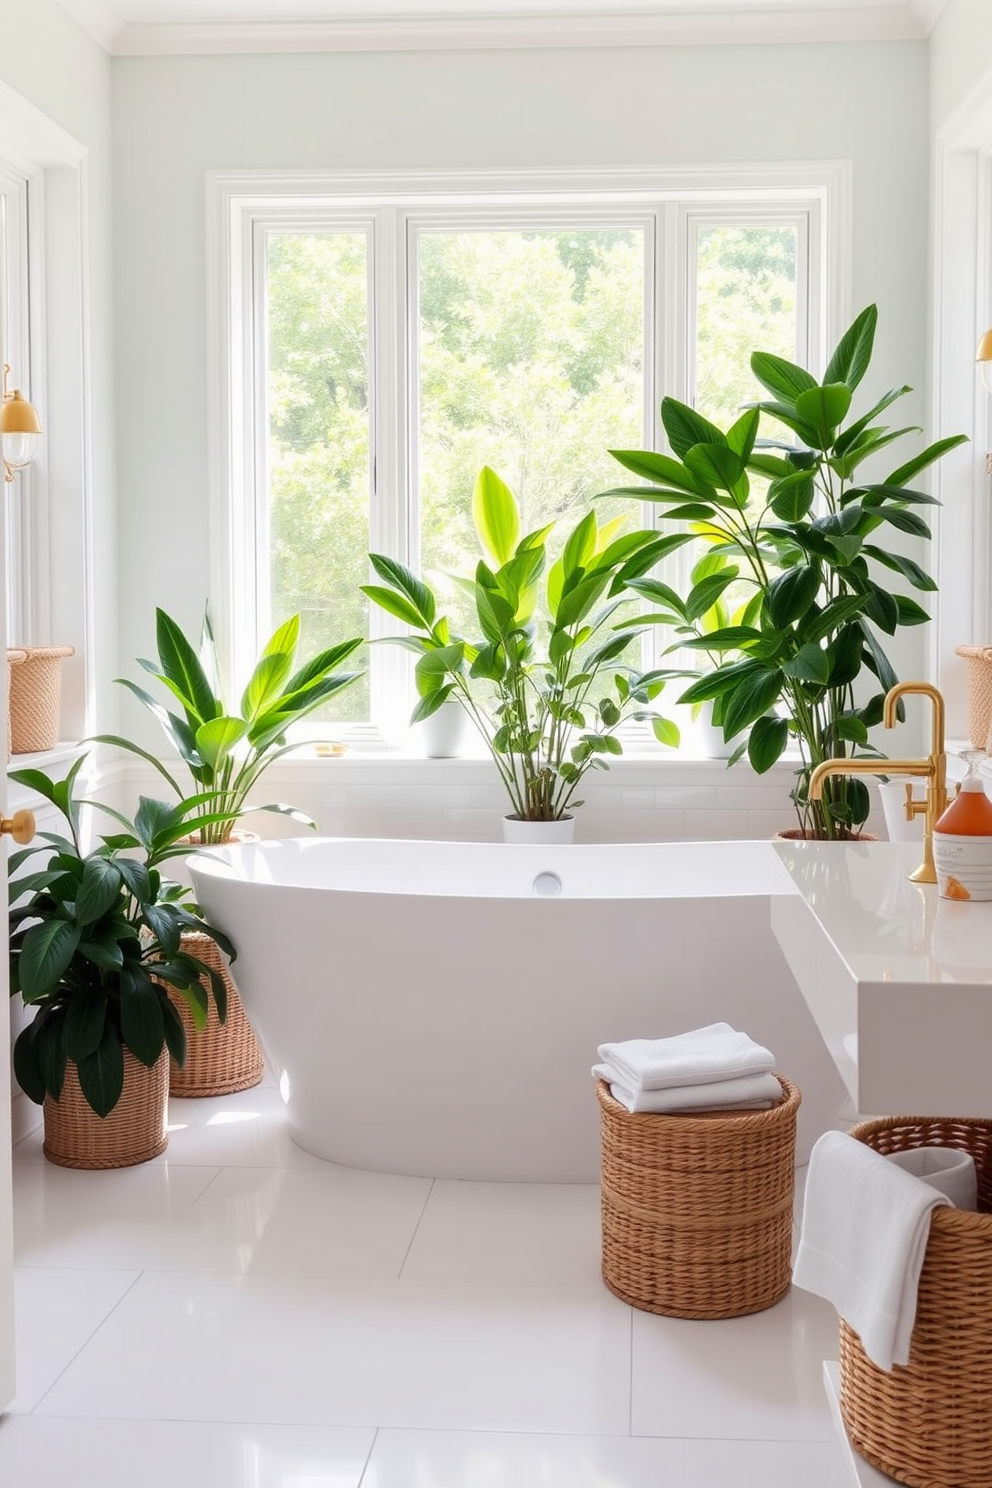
<point x="390" y="513"/>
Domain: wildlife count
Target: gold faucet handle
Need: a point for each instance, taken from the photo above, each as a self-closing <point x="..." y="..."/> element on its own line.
<point x="914" y="806"/>
<point x="20" y="826"/>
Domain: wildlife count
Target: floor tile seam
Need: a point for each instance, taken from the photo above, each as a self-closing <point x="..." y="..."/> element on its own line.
<point x="368" y="1459"/>
<point x="630" y="1376"/>
<point x="523" y="1289"/>
<point x="416" y="1229"/>
<point x="745" y="1441"/>
<point x="383" y="1428"/>
<point x="207" y="1186"/>
<point x="309" y="1424"/>
<point x="85" y="1344"/>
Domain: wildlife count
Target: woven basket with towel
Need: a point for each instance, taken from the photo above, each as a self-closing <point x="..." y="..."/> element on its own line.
<point x="698" y="1173"/>
<point x="916" y="1397"/>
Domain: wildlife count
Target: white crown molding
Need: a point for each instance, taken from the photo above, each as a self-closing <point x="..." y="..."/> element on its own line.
<point x="928" y="11"/>
<point x="869" y="23"/>
<point x="99" y="17"/>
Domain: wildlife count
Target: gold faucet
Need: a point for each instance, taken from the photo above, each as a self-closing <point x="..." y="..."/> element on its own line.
<point x="934" y="767"/>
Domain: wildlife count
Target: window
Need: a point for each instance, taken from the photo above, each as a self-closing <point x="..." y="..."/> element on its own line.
<point x="379" y="345"/>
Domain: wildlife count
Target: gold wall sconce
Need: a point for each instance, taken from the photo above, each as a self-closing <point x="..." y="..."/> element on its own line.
<point x="983" y="361"/>
<point x="20" y="428"/>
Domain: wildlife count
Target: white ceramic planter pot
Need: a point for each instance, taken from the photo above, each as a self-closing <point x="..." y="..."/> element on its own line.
<point x="892" y="794"/>
<point x="539" y="832"/>
<point x="709" y="735"/>
<point x="445" y="733"/>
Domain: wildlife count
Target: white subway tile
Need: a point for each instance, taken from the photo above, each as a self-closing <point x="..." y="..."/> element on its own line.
<point x="638" y="798"/>
<point x="716" y="826"/>
<point x="426" y="826"/>
<point x="466" y="825"/>
<point x="686" y="797"/>
<point x="764" y="824"/>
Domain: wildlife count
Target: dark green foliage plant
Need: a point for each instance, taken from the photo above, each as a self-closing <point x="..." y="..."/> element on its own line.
<point x="548" y="709"/>
<point x="796" y="527"/>
<point x="95" y="939"/>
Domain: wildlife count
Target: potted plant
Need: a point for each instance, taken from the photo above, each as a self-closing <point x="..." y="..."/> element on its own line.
<point x="797" y="529"/>
<point x="95" y="942"/>
<point x="544" y="679"/>
<point x="226" y="747"/>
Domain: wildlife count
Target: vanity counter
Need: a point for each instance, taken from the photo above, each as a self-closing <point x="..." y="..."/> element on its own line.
<point x="898" y="980"/>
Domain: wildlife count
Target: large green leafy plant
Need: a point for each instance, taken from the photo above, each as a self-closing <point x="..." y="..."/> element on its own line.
<point x="799" y="531"/>
<point x="95" y="940"/>
<point x="227" y="746"/>
<point x="544" y="682"/>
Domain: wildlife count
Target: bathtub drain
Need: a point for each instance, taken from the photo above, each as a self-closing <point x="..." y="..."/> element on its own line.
<point x="547" y="885"/>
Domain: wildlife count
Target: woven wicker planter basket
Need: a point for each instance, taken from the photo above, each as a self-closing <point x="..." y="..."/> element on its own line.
<point x="15" y="656"/>
<point x="929" y="1423"/>
<point x="697" y="1210"/>
<point x="220" y="1057"/>
<point x="979" y="659"/>
<point x="134" y="1132"/>
<point x="35" y="699"/>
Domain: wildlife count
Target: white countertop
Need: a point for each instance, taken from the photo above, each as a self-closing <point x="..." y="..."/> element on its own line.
<point x="886" y="928"/>
<point x="898" y="981"/>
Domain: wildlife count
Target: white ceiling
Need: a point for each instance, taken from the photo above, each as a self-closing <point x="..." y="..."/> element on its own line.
<point x="215" y="25"/>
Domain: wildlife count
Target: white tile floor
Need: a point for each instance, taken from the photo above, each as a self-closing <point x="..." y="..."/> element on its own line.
<point x="238" y="1314"/>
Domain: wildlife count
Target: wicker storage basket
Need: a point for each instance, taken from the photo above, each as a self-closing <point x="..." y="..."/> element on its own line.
<point x="220" y="1057"/>
<point x="697" y="1210"/>
<point x="35" y="699"/>
<point x="979" y="659"/>
<point x="15" y="655"/>
<point x="929" y="1423"/>
<point x="134" y="1132"/>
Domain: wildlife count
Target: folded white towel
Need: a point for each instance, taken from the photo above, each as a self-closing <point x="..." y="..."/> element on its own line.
<point x="717" y="1052"/>
<point x="946" y="1169"/>
<point x="749" y="1093"/>
<point x="864" y="1236"/>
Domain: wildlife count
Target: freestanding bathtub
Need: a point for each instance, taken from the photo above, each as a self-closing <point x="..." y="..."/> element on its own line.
<point x="434" y="1007"/>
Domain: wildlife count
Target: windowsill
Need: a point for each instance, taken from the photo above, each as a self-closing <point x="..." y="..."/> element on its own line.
<point x="54" y="762"/>
<point x="63" y="753"/>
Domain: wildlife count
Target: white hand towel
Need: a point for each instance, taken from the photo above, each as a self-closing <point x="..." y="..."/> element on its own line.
<point x="946" y="1169"/>
<point x="749" y="1093"/>
<point x="717" y="1052"/>
<point x="864" y="1236"/>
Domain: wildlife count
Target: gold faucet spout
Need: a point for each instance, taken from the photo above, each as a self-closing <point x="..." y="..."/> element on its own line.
<point x="934" y="768"/>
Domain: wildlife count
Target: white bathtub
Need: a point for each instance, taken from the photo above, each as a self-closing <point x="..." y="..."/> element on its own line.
<point x="434" y="1007"/>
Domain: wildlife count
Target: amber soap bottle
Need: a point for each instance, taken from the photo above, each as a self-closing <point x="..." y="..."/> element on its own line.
<point x="962" y="839"/>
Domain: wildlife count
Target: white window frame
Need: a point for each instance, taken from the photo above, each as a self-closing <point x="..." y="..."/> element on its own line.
<point x="397" y="208"/>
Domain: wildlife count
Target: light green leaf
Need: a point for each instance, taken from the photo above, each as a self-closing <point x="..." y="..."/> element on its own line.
<point x="825" y="408"/>
<point x="852" y="356"/>
<point x="285" y="640"/>
<point x="782" y="379"/>
<point x="181" y="665"/>
<point x="216" y="739"/>
<point x="685" y="427"/>
<point x="496" y="515"/>
<point x="271" y="671"/>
